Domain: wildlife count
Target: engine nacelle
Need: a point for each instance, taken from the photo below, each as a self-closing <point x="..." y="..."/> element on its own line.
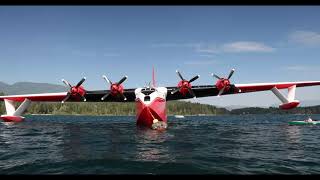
<point x="289" y="105"/>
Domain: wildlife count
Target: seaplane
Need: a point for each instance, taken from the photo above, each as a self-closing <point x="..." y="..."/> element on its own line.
<point x="151" y="101"/>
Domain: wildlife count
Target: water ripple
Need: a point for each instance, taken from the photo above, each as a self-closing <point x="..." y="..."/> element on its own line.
<point x="248" y="144"/>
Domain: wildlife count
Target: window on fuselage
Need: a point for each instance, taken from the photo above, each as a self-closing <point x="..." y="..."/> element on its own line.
<point x="147" y="98"/>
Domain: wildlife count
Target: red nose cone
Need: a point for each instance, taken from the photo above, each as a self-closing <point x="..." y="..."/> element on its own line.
<point x="115" y="89"/>
<point x="184" y="85"/>
<point x="74" y="90"/>
<point x="222" y="83"/>
<point x="80" y="90"/>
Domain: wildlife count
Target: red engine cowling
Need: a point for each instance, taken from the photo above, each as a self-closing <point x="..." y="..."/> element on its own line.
<point x="223" y="83"/>
<point x="78" y="91"/>
<point x="116" y="89"/>
<point x="184" y="85"/>
<point x="289" y="105"/>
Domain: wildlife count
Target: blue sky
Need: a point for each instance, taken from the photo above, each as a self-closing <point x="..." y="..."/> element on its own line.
<point x="263" y="44"/>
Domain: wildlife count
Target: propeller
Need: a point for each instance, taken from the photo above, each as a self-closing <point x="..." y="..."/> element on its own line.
<point x="223" y="84"/>
<point x="184" y="85"/>
<point x="76" y="90"/>
<point x="115" y="88"/>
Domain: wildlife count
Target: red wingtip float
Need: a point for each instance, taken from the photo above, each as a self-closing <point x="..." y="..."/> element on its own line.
<point x="151" y="101"/>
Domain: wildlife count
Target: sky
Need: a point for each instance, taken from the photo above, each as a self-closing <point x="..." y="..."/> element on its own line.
<point x="263" y="44"/>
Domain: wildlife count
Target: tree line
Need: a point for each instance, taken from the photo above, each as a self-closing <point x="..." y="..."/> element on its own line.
<point x="114" y="108"/>
<point x="276" y="110"/>
<point x="129" y="108"/>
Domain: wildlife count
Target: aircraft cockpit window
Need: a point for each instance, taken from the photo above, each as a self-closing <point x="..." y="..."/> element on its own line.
<point x="147" y="92"/>
<point x="147" y="98"/>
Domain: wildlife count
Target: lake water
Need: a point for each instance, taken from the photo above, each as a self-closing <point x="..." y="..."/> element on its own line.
<point x="248" y="144"/>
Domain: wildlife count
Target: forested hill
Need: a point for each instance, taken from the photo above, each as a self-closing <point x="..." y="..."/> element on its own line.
<point x="173" y="108"/>
<point x="30" y="88"/>
<point x="275" y="110"/>
<point x="117" y="108"/>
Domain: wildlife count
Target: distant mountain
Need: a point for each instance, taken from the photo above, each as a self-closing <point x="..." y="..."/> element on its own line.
<point x="3" y="86"/>
<point x="30" y="88"/>
<point x="303" y="103"/>
<point x="309" y="103"/>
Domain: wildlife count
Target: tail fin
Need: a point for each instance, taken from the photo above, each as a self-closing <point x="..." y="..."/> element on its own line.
<point x="153" y="78"/>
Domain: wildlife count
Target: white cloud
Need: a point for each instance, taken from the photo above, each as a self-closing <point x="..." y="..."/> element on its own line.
<point x="92" y="53"/>
<point x="211" y="49"/>
<point x="200" y="62"/>
<point x="168" y="45"/>
<point x="303" y="68"/>
<point x="246" y="46"/>
<point x="206" y="55"/>
<point x="305" y="37"/>
<point x="235" y="47"/>
<point x="296" y="68"/>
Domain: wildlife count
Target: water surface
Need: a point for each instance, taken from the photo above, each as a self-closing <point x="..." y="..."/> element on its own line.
<point x="248" y="144"/>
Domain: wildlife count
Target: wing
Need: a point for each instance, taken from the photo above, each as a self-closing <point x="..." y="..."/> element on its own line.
<point x="95" y="96"/>
<point x="254" y="87"/>
<point x="91" y="96"/>
<point x="212" y="90"/>
<point x="199" y="91"/>
<point x="50" y="97"/>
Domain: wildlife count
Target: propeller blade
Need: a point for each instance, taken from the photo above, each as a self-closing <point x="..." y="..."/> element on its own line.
<point x="108" y="80"/>
<point x="66" y="98"/>
<point x="180" y="75"/>
<point x="191" y="92"/>
<point x="122" y="80"/>
<point x="221" y="91"/>
<point x="175" y="91"/>
<point x="80" y="82"/>
<point x="231" y="73"/>
<point x="66" y="83"/>
<point x="216" y="76"/>
<point x="194" y="78"/>
<point x="124" y="97"/>
<point x="105" y="96"/>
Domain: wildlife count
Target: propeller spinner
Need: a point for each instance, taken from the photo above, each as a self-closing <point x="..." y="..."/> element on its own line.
<point x="115" y="88"/>
<point x="76" y="90"/>
<point x="223" y="84"/>
<point x="184" y="85"/>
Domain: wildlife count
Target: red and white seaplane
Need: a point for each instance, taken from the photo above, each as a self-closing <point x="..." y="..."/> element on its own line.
<point x="151" y="101"/>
